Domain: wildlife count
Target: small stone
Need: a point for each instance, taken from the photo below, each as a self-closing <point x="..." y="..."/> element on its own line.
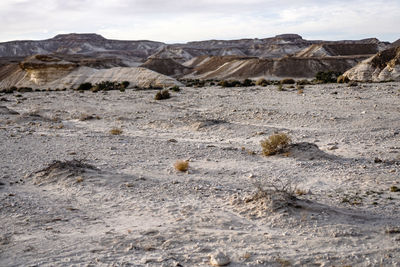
<point x="219" y="259"/>
<point x="334" y="147"/>
<point x="172" y="141"/>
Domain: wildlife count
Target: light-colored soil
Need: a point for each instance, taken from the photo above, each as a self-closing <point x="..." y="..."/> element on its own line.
<point x="126" y="205"/>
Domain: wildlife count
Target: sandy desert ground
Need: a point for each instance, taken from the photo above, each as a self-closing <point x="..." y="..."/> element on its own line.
<point x="116" y="200"/>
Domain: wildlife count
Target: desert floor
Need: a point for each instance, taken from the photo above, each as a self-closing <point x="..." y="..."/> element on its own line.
<point x="116" y="200"/>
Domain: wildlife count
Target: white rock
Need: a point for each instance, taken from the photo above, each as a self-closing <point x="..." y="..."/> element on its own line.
<point x="219" y="259"/>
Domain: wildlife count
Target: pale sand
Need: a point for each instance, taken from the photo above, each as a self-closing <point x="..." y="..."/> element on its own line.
<point x="136" y="210"/>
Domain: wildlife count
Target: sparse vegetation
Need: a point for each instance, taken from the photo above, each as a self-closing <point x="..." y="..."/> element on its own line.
<point x="175" y="88"/>
<point x="287" y="81"/>
<point x="342" y="79"/>
<point x="125" y="84"/>
<point x="275" y="194"/>
<point x="116" y="131"/>
<point x="247" y="83"/>
<point x="327" y="76"/>
<point x="161" y="95"/>
<point x="181" y="165"/>
<point x="262" y="82"/>
<point x="84" y="86"/>
<point x="394" y="189"/>
<point x="303" y="82"/>
<point x="275" y="144"/>
<point x="230" y="83"/>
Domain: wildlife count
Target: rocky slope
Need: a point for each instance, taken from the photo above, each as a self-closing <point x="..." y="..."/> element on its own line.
<point x="232" y="67"/>
<point x="44" y="71"/>
<point x="383" y="66"/>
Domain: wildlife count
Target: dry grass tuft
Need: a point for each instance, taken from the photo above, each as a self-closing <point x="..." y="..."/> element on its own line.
<point x="116" y="131"/>
<point x="275" y="144"/>
<point x="181" y="165"/>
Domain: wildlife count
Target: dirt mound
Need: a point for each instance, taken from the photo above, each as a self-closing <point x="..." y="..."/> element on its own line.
<point x="166" y="66"/>
<point x="384" y="66"/>
<point x="307" y="151"/>
<point x="66" y="173"/>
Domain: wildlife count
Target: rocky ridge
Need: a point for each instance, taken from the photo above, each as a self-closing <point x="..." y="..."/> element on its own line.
<point x="383" y="66"/>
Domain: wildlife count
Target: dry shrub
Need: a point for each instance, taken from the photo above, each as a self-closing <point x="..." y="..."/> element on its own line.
<point x="161" y="95"/>
<point x="116" y="131"/>
<point x="262" y="82"/>
<point x="275" y="144"/>
<point x="275" y="194"/>
<point x="181" y="165"/>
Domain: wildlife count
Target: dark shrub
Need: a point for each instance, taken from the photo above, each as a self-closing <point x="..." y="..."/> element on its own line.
<point x="175" y="88"/>
<point x="161" y="95"/>
<point x="288" y="81"/>
<point x="303" y="82"/>
<point x="125" y="84"/>
<point x="24" y="89"/>
<point x="262" y="82"/>
<point x="342" y="79"/>
<point x="247" y="82"/>
<point x="327" y="77"/>
<point x="84" y="86"/>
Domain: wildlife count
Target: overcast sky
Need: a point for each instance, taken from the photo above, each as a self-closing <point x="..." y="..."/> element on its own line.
<point x="188" y="20"/>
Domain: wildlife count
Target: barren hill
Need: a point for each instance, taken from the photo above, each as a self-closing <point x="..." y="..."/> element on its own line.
<point x="44" y="71"/>
<point x="232" y="67"/>
<point x="383" y="66"/>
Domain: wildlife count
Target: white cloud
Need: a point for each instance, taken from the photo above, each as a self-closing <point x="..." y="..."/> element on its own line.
<point x="175" y="20"/>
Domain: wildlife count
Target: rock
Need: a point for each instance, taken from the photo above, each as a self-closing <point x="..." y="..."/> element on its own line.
<point x="219" y="259"/>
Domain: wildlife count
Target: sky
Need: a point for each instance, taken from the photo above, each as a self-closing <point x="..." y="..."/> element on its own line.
<point x="173" y="21"/>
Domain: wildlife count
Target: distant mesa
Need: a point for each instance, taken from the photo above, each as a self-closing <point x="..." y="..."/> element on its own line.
<point x="282" y="56"/>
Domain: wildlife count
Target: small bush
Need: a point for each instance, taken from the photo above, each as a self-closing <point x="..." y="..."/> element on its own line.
<point x="327" y="76"/>
<point x="262" y="82"/>
<point x="116" y="131"/>
<point x="181" y="165"/>
<point x="280" y="87"/>
<point x="288" y="81"/>
<point x="303" y="82"/>
<point x="84" y="86"/>
<point x="231" y="83"/>
<point x="175" y="88"/>
<point x="247" y="83"/>
<point x="125" y="84"/>
<point x="161" y="95"/>
<point x="342" y="79"/>
<point x="275" y="144"/>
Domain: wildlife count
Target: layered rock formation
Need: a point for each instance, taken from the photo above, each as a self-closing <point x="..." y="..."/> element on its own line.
<point x="287" y="55"/>
<point x="232" y="67"/>
<point x="44" y="71"/>
<point x="384" y="66"/>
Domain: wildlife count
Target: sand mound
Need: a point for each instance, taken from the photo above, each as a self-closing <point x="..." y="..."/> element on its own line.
<point x="307" y="151"/>
<point x="66" y="173"/>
